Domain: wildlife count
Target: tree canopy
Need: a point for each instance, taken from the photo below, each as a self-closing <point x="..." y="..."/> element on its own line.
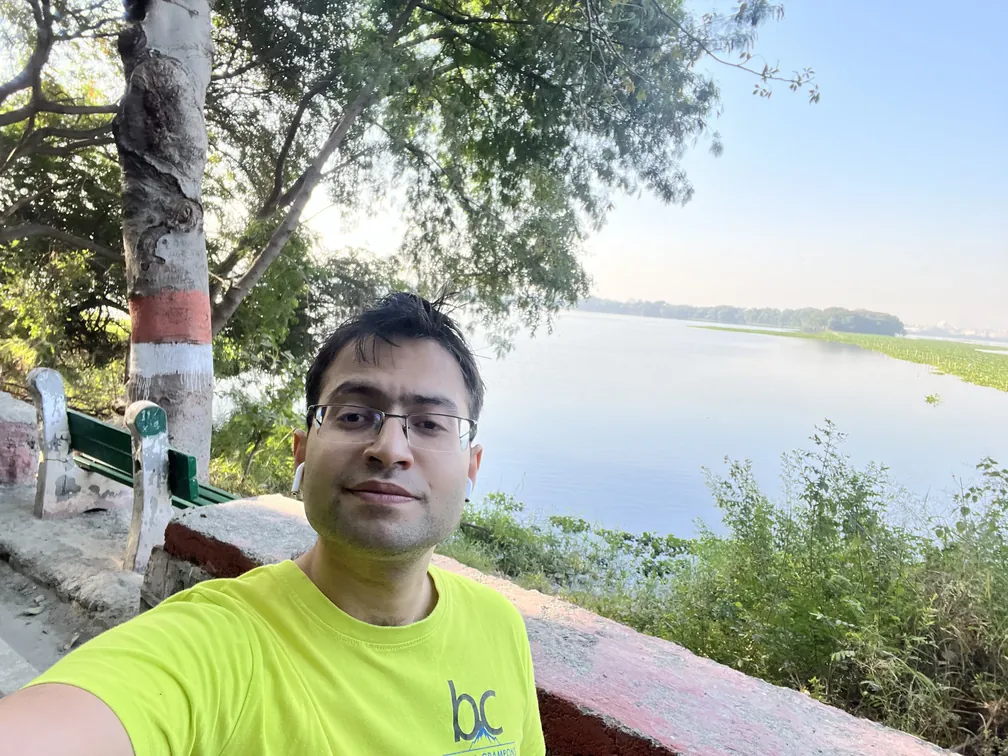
<point x="500" y="130"/>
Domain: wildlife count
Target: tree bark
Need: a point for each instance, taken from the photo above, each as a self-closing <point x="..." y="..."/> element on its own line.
<point x="161" y="136"/>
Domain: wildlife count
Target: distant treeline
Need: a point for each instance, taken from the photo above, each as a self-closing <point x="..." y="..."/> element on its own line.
<point x="805" y="319"/>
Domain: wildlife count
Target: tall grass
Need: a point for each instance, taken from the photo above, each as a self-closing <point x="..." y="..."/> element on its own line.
<point x="821" y="591"/>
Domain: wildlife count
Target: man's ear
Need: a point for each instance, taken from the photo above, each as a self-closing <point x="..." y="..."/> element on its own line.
<point x="300" y="446"/>
<point x="475" y="458"/>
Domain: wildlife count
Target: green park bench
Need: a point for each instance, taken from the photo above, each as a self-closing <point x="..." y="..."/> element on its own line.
<point x="104" y="449"/>
<point x="81" y="454"/>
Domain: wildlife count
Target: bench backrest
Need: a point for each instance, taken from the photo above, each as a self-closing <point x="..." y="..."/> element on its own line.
<point x="107" y="450"/>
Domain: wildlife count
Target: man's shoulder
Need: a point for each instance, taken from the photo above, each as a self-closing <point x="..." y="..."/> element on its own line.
<point x="234" y="592"/>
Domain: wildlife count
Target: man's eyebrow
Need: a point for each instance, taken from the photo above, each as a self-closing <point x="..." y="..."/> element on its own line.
<point x="356" y="388"/>
<point x="369" y="391"/>
<point x="421" y="400"/>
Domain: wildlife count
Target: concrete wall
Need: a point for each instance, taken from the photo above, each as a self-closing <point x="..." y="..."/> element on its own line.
<point x="604" y="689"/>
<point x="18" y="441"/>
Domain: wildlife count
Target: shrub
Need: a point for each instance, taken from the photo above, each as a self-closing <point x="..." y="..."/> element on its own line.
<point x="824" y="591"/>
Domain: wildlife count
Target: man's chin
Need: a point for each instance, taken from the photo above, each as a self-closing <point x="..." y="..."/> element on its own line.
<point x="383" y="536"/>
<point x="377" y="529"/>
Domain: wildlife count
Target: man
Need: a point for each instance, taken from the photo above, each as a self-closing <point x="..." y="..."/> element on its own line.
<point x="359" y="646"/>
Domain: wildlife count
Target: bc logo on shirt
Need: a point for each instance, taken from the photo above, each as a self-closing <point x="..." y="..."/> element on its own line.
<point x="482" y="736"/>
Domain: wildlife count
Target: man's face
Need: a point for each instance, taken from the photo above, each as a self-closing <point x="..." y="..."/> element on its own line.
<point x="346" y="486"/>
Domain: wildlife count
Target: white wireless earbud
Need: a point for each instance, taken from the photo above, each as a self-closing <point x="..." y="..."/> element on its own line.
<point x="298" y="475"/>
<point x="469" y="489"/>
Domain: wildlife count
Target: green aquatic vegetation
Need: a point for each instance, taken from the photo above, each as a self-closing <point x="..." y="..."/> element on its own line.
<point x="981" y="364"/>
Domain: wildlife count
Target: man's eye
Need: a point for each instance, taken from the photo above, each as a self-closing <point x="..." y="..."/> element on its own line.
<point x="351" y="419"/>
<point x="429" y="425"/>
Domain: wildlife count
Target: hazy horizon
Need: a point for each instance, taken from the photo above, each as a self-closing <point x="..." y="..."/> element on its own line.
<point x="709" y="305"/>
<point x="888" y="195"/>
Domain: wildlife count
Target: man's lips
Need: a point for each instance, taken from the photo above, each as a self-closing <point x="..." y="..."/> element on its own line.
<point x="382" y="492"/>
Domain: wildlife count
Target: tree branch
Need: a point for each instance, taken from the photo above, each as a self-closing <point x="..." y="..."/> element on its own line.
<point x="504" y="61"/>
<point x="767" y="74"/>
<point x="424" y="157"/>
<point x="227" y="264"/>
<point x="37" y="12"/>
<point x="233" y="297"/>
<point x="43" y="44"/>
<point x="60" y="132"/>
<point x="91" y="31"/>
<point x="255" y="63"/>
<point x="25" y="201"/>
<point x="28" y="230"/>
<point x="271" y="203"/>
<point x="27" y="75"/>
<point x="224" y="309"/>
<point x="458" y="18"/>
<point x="31" y="142"/>
<point x="47" y="106"/>
<point x="287" y="197"/>
<point x="461" y="19"/>
<point x="69" y="149"/>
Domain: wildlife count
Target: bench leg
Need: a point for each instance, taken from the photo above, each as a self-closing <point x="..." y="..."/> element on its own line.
<point x="152" y="507"/>
<point x="58" y="477"/>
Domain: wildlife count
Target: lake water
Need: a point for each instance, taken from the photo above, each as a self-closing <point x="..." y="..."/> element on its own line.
<point x="687" y="397"/>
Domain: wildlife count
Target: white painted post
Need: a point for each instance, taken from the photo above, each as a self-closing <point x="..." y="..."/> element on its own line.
<point x="152" y="507"/>
<point x="57" y="481"/>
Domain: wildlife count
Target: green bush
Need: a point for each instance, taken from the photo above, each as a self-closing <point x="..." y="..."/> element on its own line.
<point x="251" y="449"/>
<point x="824" y="591"/>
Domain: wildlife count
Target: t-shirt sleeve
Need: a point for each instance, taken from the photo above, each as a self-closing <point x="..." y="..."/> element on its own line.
<point x="533" y="743"/>
<point x="176" y="676"/>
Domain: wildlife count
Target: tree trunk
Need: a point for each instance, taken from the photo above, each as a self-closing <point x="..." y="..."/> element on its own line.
<point x="167" y="52"/>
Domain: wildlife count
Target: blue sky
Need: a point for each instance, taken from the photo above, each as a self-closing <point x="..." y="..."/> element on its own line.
<point x="891" y="193"/>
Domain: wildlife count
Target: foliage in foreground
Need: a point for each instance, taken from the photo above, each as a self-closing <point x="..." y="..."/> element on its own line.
<point x="821" y="591"/>
<point x="251" y="447"/>
<point x="982" y="364"/>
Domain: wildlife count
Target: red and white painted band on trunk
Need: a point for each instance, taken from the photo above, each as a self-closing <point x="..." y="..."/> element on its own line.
<point x="192" y="363"/>
<point x="171" y="337"/>
<point x="171" y="317"/>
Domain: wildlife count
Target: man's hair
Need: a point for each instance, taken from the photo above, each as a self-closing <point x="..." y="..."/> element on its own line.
<point x="396" y="318"/>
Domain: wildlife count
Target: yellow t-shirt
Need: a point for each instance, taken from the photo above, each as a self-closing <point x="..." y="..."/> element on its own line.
<point x="266" y="664"/>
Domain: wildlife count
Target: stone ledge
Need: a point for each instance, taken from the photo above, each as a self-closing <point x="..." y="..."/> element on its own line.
<point x="604" y="688"/>
<point x="18" y="441"/>
<point x="229" y="539"/>
<point x="14" y="410"/>
<point x="78" y="557"/>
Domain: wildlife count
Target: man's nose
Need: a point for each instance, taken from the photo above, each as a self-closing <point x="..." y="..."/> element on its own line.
<point x="391" y="447"/>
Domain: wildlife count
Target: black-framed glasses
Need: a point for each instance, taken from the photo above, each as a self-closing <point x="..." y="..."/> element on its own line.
<point x="354" y="424"/>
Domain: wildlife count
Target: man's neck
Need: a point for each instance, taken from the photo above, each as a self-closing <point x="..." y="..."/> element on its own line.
<point x="376" y="591"/>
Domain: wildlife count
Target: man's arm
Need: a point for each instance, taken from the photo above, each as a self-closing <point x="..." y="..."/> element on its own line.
<point x="171" y="681"/>
<point x="60" y="719"/>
